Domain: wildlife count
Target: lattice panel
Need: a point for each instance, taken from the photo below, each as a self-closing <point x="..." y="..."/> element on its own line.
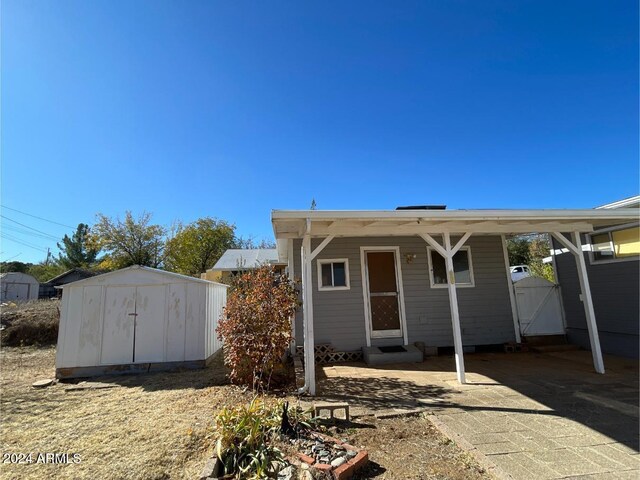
<point x="325" y="354"/>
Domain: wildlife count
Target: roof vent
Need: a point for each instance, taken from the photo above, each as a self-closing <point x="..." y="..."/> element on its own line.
<point x="423" y="207"/>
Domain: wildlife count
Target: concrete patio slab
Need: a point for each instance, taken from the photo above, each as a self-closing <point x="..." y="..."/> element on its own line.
<point x="532" y="415"/>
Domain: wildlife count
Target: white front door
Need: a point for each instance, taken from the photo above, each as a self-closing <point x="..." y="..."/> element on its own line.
<point x="385" y="311"/>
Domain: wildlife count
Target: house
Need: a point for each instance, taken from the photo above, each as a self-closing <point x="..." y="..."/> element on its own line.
<point x="18" y="287"/>
<point x="49" y="290"/>
<point x="613" y="266"/>
<point x="236" y="260"/>
<point x="135" y="320"/>
<point x="383" y="280"/>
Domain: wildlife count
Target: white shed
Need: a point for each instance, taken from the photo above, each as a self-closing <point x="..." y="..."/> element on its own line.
<point x="137" y="319"/>
<point x="18" y="287"/>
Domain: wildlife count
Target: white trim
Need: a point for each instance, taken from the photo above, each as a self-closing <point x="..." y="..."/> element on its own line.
<point x="455" y="312"/>
<point x="324" y="261"/>
<point x="365" y="294"/>
<point x="626" y="202"/>
<point x="445" y="285"/>
<point x="589" y="238"/>
<point x="512" y="296"/>
<point x="587" y="301"/>
<point x="320" y="247"/>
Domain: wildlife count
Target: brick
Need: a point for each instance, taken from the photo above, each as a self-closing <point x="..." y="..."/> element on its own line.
<point x="306" y="459"/>
<point x="344" y="471"/>
<point x="323" y="467"/>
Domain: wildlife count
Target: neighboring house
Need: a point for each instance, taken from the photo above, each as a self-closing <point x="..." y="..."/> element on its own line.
<point x="613" y="265"/>
<point x="18" y="287"/>
<point x="236" y="260"/>
<point x="391" y="278"/>
<point x="137" y="319"/>
<point x="49" y="290"/>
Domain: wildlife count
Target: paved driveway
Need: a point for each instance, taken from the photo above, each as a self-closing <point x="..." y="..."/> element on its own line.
<point x="532" y="415"/>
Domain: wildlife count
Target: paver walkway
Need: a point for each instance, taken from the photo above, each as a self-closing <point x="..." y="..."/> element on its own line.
<point x="532" y="415"/>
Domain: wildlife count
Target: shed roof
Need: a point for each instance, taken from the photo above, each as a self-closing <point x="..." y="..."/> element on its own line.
<point x="18" y="277"/>
<point x="81" y="271"/>
<point x="140" y="267"/>
<point x="245" y="259"/>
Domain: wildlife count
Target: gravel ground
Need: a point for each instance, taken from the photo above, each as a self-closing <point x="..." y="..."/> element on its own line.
<point x="409" y="448"/>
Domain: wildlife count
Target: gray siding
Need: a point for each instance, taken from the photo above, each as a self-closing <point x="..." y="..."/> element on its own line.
<point x="485" y="310"/>
<point x="614" y="290"/>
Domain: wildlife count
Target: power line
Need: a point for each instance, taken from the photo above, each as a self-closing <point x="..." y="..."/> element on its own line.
<point x="6" y="236"/>
<point x="30" y="228"/>
<point x="35" y="216"/>
<point x="15" y="256"/>
<point x="22" y="231"/>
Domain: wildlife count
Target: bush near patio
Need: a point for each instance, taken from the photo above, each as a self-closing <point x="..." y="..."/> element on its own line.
<point x="256" y="326"/>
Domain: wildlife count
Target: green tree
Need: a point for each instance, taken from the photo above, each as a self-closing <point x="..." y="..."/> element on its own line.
<point x="518" y="249"/>
<point x="15" y="267"/>
<point x="45" y="271"/>
<point x="539" y="248"/>
<point x="79" y="251"/>
<point x="132" y="241"/>
<point x="198" y="246"/>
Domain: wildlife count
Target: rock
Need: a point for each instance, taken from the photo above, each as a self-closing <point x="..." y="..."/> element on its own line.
<point x="338" y="461"/>
<point x="351" y="453"/>
<point x="323" y="460"/>
<point x="211" y="469"/>
<point x="287" y="473"/>
<point x="43" y="383"/>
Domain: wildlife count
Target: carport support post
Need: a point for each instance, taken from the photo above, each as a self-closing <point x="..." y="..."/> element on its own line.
<point x="307" y="312"/>
<point x="594" y="339"/>
<point x="590" y="314"/>
<point x="455" y="314"/>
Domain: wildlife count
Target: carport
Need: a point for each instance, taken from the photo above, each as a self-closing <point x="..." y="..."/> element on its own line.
<point x="325" y="226"/>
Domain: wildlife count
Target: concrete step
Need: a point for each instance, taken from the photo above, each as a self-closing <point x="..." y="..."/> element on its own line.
<point x="375" y="356"/>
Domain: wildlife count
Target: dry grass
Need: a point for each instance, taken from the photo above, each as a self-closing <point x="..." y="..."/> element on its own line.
<point x="158" y="426"/>
<point x="152" y="426"/>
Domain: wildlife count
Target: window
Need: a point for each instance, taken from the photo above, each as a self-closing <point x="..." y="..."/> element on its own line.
<point x="462" y="267"/>
<point x="333" y="274"/>
<point x="620" y="244"/>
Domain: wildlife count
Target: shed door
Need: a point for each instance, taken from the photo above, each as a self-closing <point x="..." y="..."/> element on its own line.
<point x="16" y="291"/>
<point x="150" y="323"/>
<point x="384" y="299"/>
<point x="117" y="331"/>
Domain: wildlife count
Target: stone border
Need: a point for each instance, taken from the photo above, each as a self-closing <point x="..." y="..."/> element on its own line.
<point x="344" y="471"/>
<point x="468" y="447"/>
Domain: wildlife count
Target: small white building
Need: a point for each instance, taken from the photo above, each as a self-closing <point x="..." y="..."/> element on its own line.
<point x="18" y="287"/>
<point x="137" y="319"/>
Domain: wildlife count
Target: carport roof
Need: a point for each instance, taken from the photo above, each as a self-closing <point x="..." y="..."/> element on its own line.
<point x="360" y="223"/>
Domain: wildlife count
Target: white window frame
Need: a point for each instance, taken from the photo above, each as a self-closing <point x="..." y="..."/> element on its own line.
<point x="589" y="240"/>
<point x="431" y="250"/>
<point x="324" y="261"/>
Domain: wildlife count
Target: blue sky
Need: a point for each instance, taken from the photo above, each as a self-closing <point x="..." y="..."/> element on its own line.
<point x="229" y="109"/>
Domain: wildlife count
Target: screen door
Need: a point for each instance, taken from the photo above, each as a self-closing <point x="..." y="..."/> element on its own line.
<point x="384" y="297"/>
